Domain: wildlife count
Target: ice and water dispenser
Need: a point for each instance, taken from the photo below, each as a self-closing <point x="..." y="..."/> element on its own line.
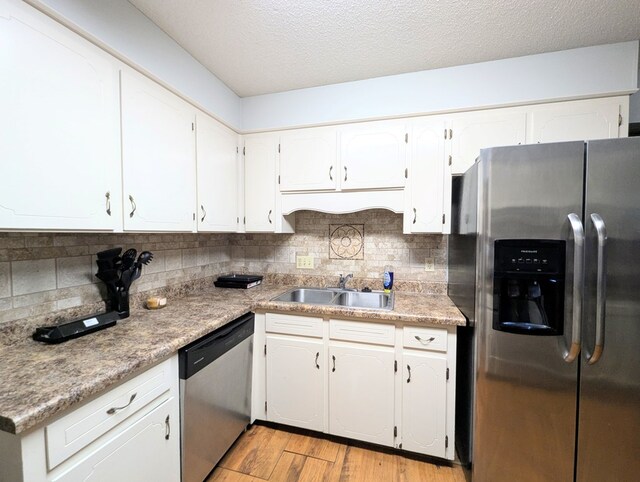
<point x="528" y="286"/>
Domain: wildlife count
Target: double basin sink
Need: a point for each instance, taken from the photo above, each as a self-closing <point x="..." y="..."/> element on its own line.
<point x="373" y="300"/>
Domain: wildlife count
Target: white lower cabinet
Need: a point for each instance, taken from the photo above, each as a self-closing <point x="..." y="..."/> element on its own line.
<point x="361" y="395"/>
<point x="295" y="389"/>
<point x="424" y="403"/>
<point x="379" y="382"/>
<point x="144" y="451"/>
<point x="131" y="433"/>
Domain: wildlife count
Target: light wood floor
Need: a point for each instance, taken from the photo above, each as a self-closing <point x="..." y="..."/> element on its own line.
<point x="264" y="453"/>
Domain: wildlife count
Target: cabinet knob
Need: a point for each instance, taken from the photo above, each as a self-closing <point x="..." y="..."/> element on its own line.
<point x="317" y="355"/>
<point x="333" y="357"/>
<point x="345" y="173"/>
<point x="167" y="428"/>
<point x="330" y="175"/>
<point x="409" y="370"/>
<point x="204" y="213"/>
<point x="108" y="201"/>
<point x="415" y="215"/>
<point x="269" y="216"/>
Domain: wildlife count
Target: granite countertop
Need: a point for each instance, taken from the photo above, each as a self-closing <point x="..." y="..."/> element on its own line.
<point x="40" y="380"/>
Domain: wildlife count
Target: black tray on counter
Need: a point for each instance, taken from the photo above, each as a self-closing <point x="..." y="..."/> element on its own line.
<point x="242" y="281"/>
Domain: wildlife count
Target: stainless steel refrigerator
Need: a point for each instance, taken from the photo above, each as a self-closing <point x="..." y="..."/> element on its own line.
<point x="544" y="262"/>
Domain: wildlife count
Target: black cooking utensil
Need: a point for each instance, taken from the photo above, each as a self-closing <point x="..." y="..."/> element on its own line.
<point x="128" y="259"/>
<point x="109" y="253"/>
<point x="109" y="276"/>
<point x="105" y="264"/>
<point x="144" y="258"/>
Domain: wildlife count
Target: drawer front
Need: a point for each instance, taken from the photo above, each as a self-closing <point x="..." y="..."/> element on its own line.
<point x="82" y="426"/>
<point x="294" y="325"/>
<point x="363" y="332"/>
<point x="434" y="339"/>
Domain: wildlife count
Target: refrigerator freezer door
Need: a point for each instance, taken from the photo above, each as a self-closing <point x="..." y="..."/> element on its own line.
<point x="525" y="410"/>
<point x="609" y="408"/>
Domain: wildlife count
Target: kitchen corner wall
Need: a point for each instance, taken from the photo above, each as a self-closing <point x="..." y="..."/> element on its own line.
<point x="45" y="276"/>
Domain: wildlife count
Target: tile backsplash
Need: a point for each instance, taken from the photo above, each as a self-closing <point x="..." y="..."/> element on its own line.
<point x="47" y="273"/>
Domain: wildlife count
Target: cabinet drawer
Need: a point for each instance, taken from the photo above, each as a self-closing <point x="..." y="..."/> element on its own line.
<point x="434" y="339"/>
<point x="82" y="426"/>
<point x="294" y="325"/>
<point x="361" y="331"/>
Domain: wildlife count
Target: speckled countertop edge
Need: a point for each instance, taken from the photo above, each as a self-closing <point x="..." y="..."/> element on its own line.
<point x="39" y="380"/>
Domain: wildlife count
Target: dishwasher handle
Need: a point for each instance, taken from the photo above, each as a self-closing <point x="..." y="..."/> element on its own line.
<point x="209" y="348"/>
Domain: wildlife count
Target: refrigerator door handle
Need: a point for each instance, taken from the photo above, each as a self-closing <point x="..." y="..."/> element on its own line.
<point x="601" y="287"/>
<point x="578" y="279"/>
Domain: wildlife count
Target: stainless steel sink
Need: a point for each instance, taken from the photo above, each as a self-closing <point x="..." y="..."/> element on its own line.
<point x="317" y="296"/>
<point x="374" y="300"/>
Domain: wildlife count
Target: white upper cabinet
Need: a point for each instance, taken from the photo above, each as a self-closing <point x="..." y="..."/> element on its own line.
<point x="373" y="155"/>
<point x="59" y="127"/>
<point x="261" y="152"/>
<point x="308" y="159"/>
<point x="216" y="152"/>
<point x="158" y="151"/>
<point x="471" y="132"/>
<point x="576" y="121"/>
<point x="423" y="213"/>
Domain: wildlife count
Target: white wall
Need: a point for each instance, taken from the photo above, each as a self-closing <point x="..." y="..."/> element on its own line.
<point x="121" y="28"/>
<point x="634" y="105"/>
<point x="570" y="74"/>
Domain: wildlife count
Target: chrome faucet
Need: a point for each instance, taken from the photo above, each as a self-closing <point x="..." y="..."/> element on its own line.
<point x="342" y="284"/>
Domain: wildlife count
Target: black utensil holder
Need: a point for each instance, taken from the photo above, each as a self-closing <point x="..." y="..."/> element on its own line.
<point x="118" y="300"/>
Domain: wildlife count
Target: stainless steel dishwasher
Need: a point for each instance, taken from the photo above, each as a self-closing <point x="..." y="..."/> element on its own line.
<point x="215" y="395"/>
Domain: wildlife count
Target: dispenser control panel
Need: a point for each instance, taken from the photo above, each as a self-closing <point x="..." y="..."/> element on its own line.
<point x="529" y="256"/>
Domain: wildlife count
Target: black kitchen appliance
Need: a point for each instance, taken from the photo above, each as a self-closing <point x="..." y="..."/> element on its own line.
<point x="75" y="328"/>
<point x="234" y="280"/>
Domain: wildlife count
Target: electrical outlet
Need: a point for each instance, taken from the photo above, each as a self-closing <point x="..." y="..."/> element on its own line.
<point x="429" y="264"/>
<point x="304" y="262"/>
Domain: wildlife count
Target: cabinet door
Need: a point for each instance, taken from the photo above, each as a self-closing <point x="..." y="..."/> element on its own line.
<point x="59" y="128"/>
<point x="472" y="132"/>
<point x="216" y="152"/>
<point x="308" y="159"/>
<point x="295" y="393"/>
<point x="260" y="182"/>
<point x="158" y="151"/>
<point x="426" y="177"/>
<point x="424" y="403"/>
<point x="148" y="450"/>
<point x="373" y="155"/>
<point x="361" y="392"/>
<point x="574" y="121"/>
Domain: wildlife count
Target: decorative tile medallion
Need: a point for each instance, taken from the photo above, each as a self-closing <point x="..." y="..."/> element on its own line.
<point x="346" y="241"/>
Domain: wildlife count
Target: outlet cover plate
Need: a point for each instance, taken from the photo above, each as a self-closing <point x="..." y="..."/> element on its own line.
<point x="304" y="262"/>
<point x="429" y="264"/>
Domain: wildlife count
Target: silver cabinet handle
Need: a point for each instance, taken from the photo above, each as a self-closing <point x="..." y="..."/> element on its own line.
<point x="330" y="176"/>
<point x="113" y="410"/>
<point x="578" y="265"/>
<point x="415" y="215"/>
<point x="167" y="428"/>
<point x="133" y="206"/>
<point x="345" y="173"/>
<point x="601" y="288"/>
<point x="425" y="342"/>
<point x="204" y="213"/>
<point x="409" y="369"/>
<point x="333" y="357"/>
<point x="108" y="196"/>
<point x="317" y="355"/>
<point x="269" y="216"/>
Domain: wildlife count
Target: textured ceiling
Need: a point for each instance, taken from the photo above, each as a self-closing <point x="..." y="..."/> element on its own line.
<point x="265" y="46"/>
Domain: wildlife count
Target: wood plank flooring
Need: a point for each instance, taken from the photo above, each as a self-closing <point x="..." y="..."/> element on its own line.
<point x="265" y="453"/>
